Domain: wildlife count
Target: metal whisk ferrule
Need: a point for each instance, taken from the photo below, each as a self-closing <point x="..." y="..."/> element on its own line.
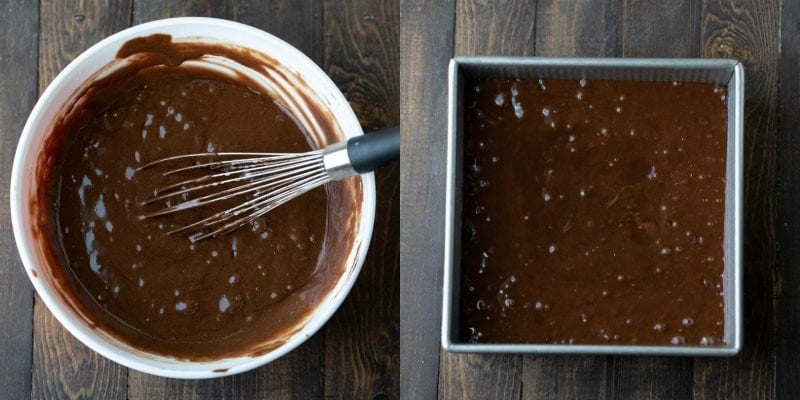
<point x="337" y="161"/>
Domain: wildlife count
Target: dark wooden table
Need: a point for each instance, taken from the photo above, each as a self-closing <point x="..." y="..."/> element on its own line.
<point x="356" y="355"/>
<point x="763" y="34"/>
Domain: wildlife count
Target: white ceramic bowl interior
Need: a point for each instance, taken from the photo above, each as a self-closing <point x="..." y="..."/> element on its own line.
<point x="39" y="124"/>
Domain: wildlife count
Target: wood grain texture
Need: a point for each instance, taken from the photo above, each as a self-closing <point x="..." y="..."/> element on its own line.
<point x="659" y="29"/>
<point x="748" y="31"/>
<point x="362" y="57"/>
<point x="362" y="359"/>
<point x="18" y="42"/>
<point x="565" y="377"/>
<point x="362" y="355"/>
<point x="297" y="22"/>
<point x="787" y="366"/>
<point x="480" y="376"/>
<point x="495" y="28"/>
<point x="69" y="28"/>
<point x="62" y="366"/>
<point x="298" y="374"/>
<point x="585" y="28"/>
<point x="651" y="378"/>
<point x="425" y="50"/>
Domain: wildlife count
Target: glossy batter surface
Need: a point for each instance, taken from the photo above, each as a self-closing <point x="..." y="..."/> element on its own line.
<point x="593" y="212"/>
<point x="161" y="293"/>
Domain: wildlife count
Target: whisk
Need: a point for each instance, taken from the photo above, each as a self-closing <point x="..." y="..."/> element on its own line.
<point x="263" y="181"/>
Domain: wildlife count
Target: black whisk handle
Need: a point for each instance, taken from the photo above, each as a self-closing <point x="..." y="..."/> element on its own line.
<point x="374" y="149"/>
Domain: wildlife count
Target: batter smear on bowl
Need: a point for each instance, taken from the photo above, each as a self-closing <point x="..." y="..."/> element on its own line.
<point x="239" y="294"/>
<point x="593" y="212"/>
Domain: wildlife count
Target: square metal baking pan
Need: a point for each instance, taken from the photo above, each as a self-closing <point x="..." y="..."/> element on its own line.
<point x="723" y="72"/>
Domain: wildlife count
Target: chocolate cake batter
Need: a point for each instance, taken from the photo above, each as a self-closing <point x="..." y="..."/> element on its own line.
<point x="238" y="294"/>
<point x="593" y="212"/>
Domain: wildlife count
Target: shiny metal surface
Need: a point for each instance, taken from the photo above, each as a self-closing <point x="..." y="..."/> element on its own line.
<point x="724" y="72"/>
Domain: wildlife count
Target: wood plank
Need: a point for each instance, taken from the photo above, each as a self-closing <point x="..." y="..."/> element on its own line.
<point x="748" y="31"/>
<point x="651" y="378"/>
<point x="18" y="41"/>
<point x="787" y="366"/>
<point x="656" y="29"/>
<point x="362" y="57"/>
<point x="489" y="28"/>
<point x="659" y="29"/>
<point x="62" y="366"/>
<point x="362" y="358"/>
<point x="586" y="28"/>
<point x="425" y="50"/>
<point x="589" y="29"/>
<point x="486" y="28"/>
<point x="298" y="374"/>
<point x="565" y="377"/>
<point x="559" y="377"/>
<point x="480" y="376"/>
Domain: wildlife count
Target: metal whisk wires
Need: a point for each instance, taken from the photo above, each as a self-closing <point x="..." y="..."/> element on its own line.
<point x="261" y="182"/>
<point x="246" y="186"/>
